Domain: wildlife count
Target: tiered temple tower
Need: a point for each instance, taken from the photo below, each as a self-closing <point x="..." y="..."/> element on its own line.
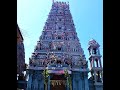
<point x="58" y="49"/>
<point x="96" y="66"/>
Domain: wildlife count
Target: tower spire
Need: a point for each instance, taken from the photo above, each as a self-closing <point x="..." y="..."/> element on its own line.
<point x="58" y="48"/>
<point x="95" y="62"/>
<point x="52" y="1"/>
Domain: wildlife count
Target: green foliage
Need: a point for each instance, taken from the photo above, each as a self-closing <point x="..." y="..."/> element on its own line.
<point x="66" y="73"/>
<point x="45" y="75"/>
<point x="68" y="79"/>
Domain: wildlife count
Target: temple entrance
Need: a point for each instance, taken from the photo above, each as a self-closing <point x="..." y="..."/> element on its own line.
<point x="58" y="82"/>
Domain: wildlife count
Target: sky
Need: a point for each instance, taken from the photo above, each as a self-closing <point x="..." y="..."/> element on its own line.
<point x="87" y="16"/>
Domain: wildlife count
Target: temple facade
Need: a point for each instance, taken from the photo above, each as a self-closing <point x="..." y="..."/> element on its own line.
<point x="58" y="61"/>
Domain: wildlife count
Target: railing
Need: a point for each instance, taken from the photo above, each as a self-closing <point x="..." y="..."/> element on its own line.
<point x="96" y="55"/>
<point x="79" y="69"/>
<point x="36" y="68"/>
<point x="97" y="68"/>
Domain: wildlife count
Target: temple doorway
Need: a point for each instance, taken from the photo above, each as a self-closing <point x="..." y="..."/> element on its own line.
<point x="58" y="82"/>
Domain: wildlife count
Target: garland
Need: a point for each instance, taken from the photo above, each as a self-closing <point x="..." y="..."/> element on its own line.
<point x="68" y="79"/>
<point x="45" y="75"/>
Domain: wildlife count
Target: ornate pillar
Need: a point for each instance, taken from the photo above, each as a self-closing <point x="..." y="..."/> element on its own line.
<point x="95" y="76"/>
<point x="36" y="84"/>
<point x="48" y="82"/>
<point x="92" y="51"/>
<point x="80" y="81"/>
<point x="39" y="78"/>
<point x="100" y="63"/>
<point x="73" y="82"/>
<point x="86" y="81"/>
<point x="41" y="82"/>
<point x="29" y="83"/>
<point x="41" y="85"/>
<point x="101" y="76"/>
<point x="80" y="84"/>
<point x="33" y="83"/>
<point x="83" y="81"/>
<point x="97" y="63"/>
<point x="91" y="64"/>
<point x="67" y="84"/>
<point x="93" y="61"/>
<point x="98" y="52"/>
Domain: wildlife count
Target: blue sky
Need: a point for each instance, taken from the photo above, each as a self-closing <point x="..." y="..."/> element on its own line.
<point x="87" y="16"/>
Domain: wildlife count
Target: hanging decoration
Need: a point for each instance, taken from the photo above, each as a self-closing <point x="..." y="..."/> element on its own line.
<point x="45" y="75"/>
<point x="68" y="79"/>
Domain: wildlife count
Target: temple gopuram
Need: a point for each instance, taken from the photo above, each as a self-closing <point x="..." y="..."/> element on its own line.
<point x="58" y="61"/>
